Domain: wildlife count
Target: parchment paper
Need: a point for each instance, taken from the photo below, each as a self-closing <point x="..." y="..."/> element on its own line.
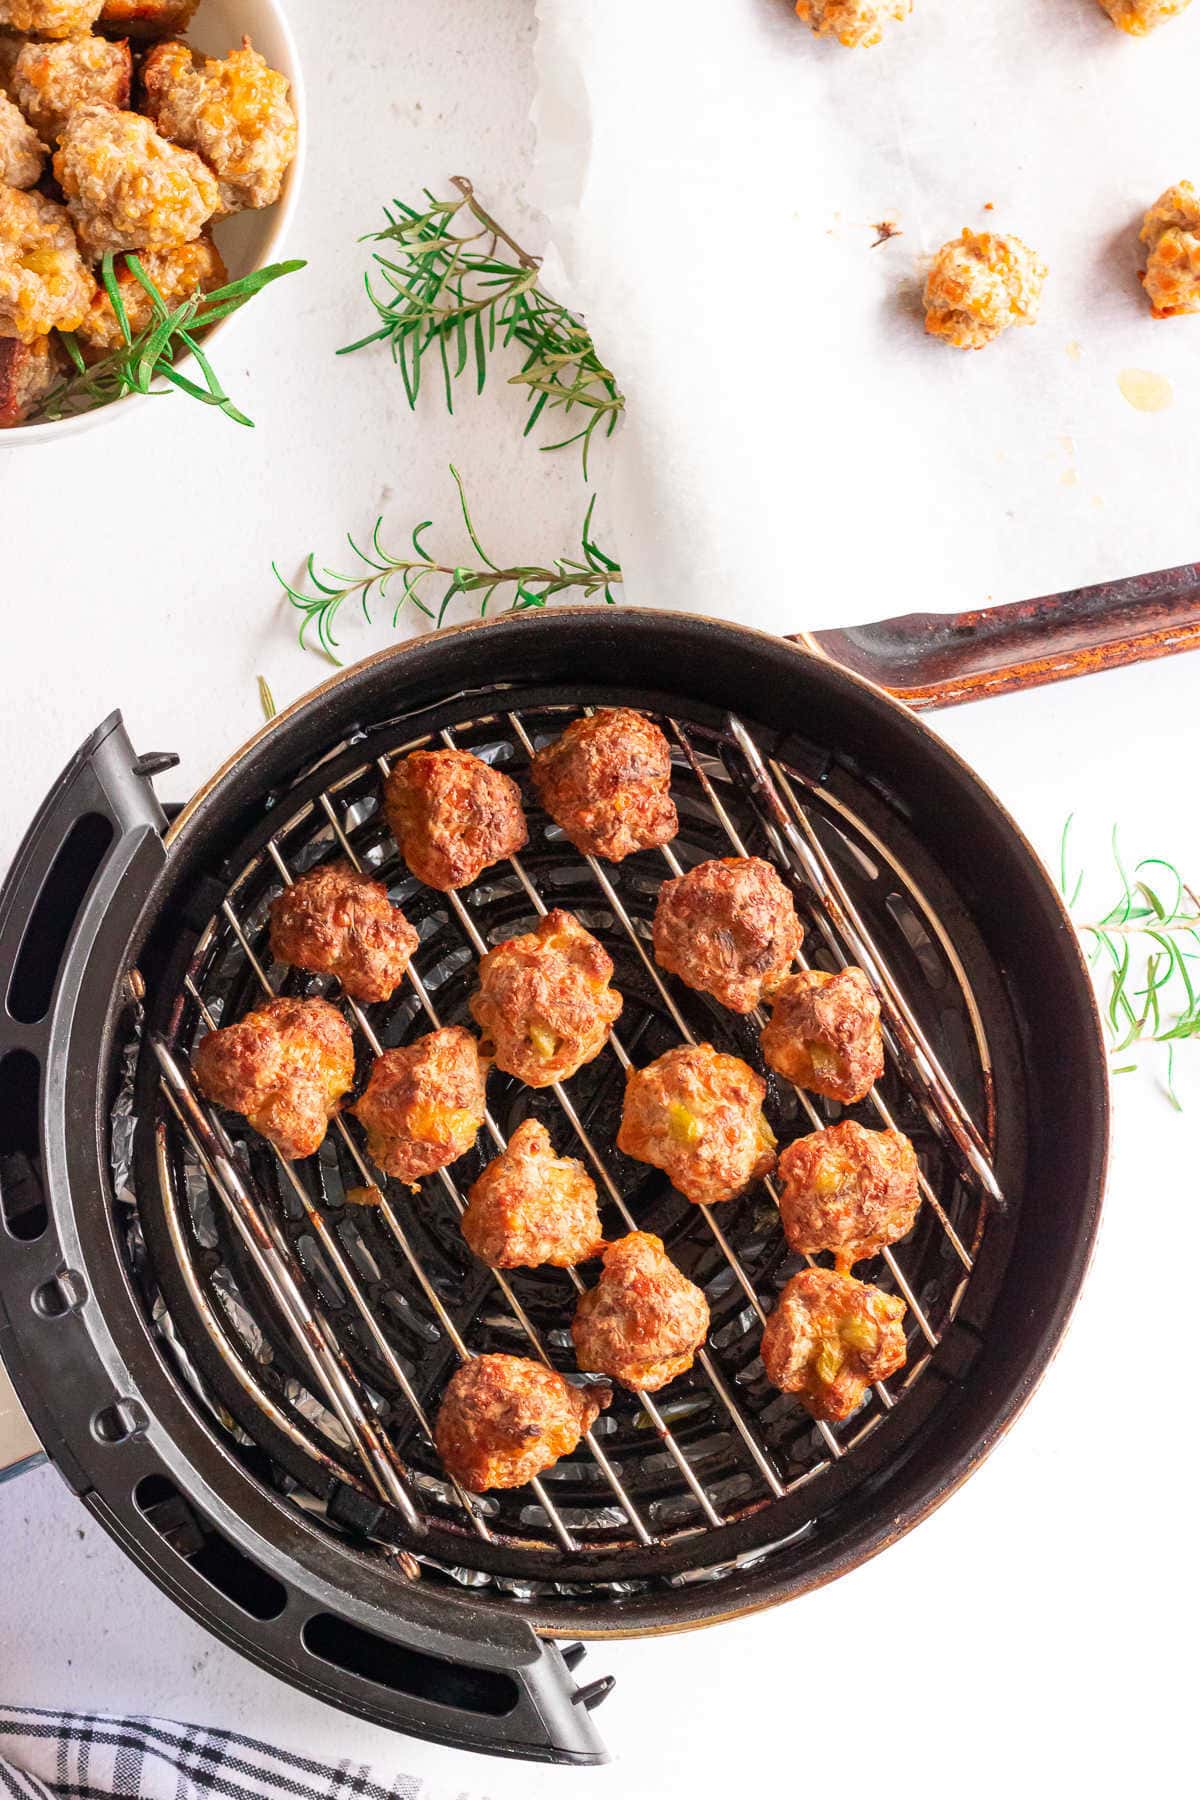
<point x="798" y="453"/>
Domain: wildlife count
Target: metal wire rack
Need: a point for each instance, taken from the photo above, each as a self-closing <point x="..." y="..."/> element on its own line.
<point x="341" y="1323"/>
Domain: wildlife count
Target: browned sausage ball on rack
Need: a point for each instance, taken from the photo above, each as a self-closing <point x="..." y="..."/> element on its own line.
<point x="531" y="1207"/>
<point x="543" y="1001"/>
<point x="127" y="188"/>
<point x="27" y="374"/>
<point x="829" y="1338"/>
<point x="643" y="1321"/>
<point x="848" y="1190"/>
<point x="824" y="1034"/>
<point x="697" y="1114"/>
<point x="503" y="1419"/>
<point x="424" y="1103"/>
<point x="49" y="81"/>
<point x="146" y="18"/>
<point x="607" y="782"/>
<point x="284" y="1067"/>
<point x="235" y="113"/>
<point x="177" y="274"/>
<point x="452" y="815"/>
<point x="729" y="929"/>
<point x="49" y="18"/>
<point x="336" y="921"/>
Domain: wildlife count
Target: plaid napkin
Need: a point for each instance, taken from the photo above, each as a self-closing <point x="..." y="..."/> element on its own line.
<point x="90" y="1756"/>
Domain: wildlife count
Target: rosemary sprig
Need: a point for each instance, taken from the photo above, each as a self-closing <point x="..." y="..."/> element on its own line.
<point x="455" y="292"/>
<point x="1144" y="944"/>
<point x="532" y="584"/>
<point x="146" y="359"/>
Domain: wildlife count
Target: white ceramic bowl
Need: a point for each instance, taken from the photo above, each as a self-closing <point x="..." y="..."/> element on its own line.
<point x="249" y="240"/>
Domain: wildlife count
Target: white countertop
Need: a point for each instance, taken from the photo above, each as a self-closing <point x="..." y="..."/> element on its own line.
<point x="1021" y="1638"/>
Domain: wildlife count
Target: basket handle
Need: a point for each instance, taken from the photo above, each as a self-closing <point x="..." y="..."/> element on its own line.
<point x="930" y="660"/>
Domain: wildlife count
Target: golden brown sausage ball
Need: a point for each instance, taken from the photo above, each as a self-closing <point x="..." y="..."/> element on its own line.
<point x="452" y="815"/>
<point x="424" y="1103"/>
<point x="44" y="285"/>
<point x="829" y="1338"/>
<point x="22" y="153"/>
<point x="848" y="1190"/>
<point x="146" y="18"/>
<point x="1171" y="233"/>
<point x="236" y="114"/>
<point x="855" y="23"/>
<point x="728" y="928"/>
<point x="128" y="188"/>
<point x="177" y="274"/>
<point x="643" y="1321"/>
<point x="1139" y="17"/>
<point x="27" y="374"/>
<point x="824" y="1034"/>
<point x="50" y="18"/>
<point x="503" y="1419"/>
<point x="979" y="285"/>
<point x="284" y="1067"/>
<point x="544" y="1002"/>
<point x="607" y="782"/>
<point x="697" y="1114"/>
<point x="336" y="921"/>
<point x="531" y="1207"/>
<point x="49" y="81"/>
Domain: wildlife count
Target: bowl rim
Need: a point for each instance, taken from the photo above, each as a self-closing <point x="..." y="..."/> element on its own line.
<point x="46" y="431"/>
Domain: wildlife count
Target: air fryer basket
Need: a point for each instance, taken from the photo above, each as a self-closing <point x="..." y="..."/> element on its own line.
<point x="271" y="1467"/>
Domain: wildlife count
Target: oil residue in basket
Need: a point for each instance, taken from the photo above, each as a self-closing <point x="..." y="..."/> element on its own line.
<point x="1145" y="390"/>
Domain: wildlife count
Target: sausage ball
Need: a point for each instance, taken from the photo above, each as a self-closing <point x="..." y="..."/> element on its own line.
<point x="284" y="1067"/>
<point x="235" y="114"/>
<point x="728" y="928"/>
<point x="848" y="1190"/>
<point x="697" y="1114"/>
<point x="829" y="1338"/>
<point x="28" y="372"/>
<point x="128" y="188"/>
<point x="979" y="285"/>
<point x="1171" y="233"/>
<point x="177" y="274"/>
<point x="544" y="1002"/>
<point x="824" y="1034"/>
<point x="50" y="18"/>
<point x="530" y="1207"/>
<point x="643" y="1321"/>
<point x="22" y="153"/>
<point x="503" y="1419"/>
<point x="855" y="23"/>
<point x="49" y="81"/>
<point x="452" y="815"/>
<point x="44" y="285"/>
<point x="607" y="782"/>
<point x="335" y="921"/>
<point x="1140" y="17"/>
<point x="146" y="18"/>
<point x="424" y="1104"/>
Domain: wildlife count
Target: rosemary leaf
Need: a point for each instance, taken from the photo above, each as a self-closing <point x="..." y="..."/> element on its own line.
<point x="325" y="590"/>
<point x="445" y="281"/>
<point x="144" y="362"/>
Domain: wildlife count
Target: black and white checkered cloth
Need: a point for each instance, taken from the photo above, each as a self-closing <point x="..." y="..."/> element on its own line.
<point x="94" y="1756"/>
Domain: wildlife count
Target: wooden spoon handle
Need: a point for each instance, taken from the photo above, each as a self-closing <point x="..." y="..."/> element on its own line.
<point x="943" y="659"/>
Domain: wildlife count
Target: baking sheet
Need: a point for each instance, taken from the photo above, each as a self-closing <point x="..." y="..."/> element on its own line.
<point x="797" y="452"/>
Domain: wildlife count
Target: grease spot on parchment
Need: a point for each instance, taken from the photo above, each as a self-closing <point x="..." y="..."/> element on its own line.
<point x="1145" y="390"/>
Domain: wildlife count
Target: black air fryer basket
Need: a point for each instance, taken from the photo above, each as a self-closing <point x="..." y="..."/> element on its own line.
<point x="235" y="1369"/>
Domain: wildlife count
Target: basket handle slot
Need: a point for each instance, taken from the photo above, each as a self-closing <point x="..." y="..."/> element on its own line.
<point x="75" y="867"/>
